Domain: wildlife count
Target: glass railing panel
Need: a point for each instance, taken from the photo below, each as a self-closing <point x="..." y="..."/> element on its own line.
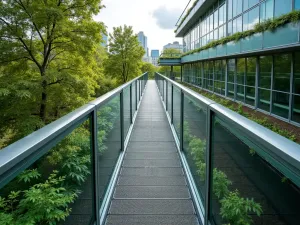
<point x="194" y="141"/>
<point x="126" y="104"/>
<point x="133" y="90"/>
<point x="169" y="98"/>
<point x="109" y="143"/>
<point x="165" y="91"/>
<point x="55" y="189"/>
<point x="176" y="110"/>
<point x="246" y="187"/>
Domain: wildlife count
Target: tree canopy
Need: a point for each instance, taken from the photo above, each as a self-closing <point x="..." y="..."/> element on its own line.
<point x="49" y="62"/>
<point x="125" y="54"/>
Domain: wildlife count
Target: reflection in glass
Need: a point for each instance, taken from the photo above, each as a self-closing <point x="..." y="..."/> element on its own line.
<point x="194" y="141"/>
<point x="176" y="110"/>
<point x="240" y="71"/>
<point x="282" y="72"/>
<point x="280" y="104"/>
<point x="230" y="90"/>
<point x="265" y="71"/>
<point x="250" y="96"/>
<point x="296" y="81"/>
<point x="264" y="99"/>
<point x="282" y="7"/>
<point x="240" y="93"/>
<point x="266" y="10"/>
<point x="244" y="177"/>
<point x="231" y="70"/>
<point x="126" y="99"/>
<point x="296" y="108"/>
<point x="251" y="71"/>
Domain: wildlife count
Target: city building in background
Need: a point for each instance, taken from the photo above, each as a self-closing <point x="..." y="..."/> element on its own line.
<point x="154" y="57"/>
<point x="175" y="45"/>
<point x="142" y="38"/>
<point x="104" y="42"/>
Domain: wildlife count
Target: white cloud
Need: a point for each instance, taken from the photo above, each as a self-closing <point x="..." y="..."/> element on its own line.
<point x="140" y="15"/>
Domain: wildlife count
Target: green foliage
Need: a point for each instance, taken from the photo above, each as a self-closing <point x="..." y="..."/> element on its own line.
<point x="252" y="152"/>
<point x="28" y="175"/>
<point x="51" y="51"/>
<point x="49" y="199"/>
<point x="170" y="53"/>
<point x="220" y="183"/>
<point x="150" y="68"/>
<point x="125" y="54"/>
<point x="270" y="24"/>
<point x="236" y="209"/>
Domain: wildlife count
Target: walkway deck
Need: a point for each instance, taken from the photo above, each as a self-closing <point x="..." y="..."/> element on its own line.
<point x="151" y="187"/>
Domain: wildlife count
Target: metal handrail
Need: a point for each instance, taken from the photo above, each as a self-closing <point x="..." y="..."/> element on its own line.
<point x="21" y="154"/>
<point x="280" y="148"/>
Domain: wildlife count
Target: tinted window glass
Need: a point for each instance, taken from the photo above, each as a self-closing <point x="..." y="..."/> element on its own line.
<point x="282" y="72"/>
<point x="265" y="71"/>
<point x="282" y="7"/>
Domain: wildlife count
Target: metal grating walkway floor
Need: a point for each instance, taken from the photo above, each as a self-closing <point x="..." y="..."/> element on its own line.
<point x="151" y="187"/>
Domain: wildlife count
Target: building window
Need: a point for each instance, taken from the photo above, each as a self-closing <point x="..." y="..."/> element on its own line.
<point x="237" y="7"/>
<point x="264" y="82"/>
<point x="237" y="25"/>
<point x="240" y="79"/>
<point x="219" y="76"/>
<point x="250" y="81"/>
<point x="216" y="18"/>
<point x="230" y="79"/>
<point x="222" y="14"/>
<point x="229" y="9"/>
<point x="281" y="85"/>
<point x="222" y="31"/>
<point x="249" y="3"/>
<point x="297" y="4"/>
<point x="230" y="28"/>
<point x="250" y="19"/>
<point x="282" y="7"/>
<point x="266" y="10"/>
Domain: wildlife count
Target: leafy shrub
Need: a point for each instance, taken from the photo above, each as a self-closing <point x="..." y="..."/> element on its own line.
<point x="236" y="209"/>
<point x="28" y="175"/>
<point x="220" y="183"/>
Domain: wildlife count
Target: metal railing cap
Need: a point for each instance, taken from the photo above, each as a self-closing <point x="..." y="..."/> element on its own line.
<point x="106" y="97"/>
<point x="279" y="145"/>
<point x="188" y="91"/>
<point x="19" y="150"/>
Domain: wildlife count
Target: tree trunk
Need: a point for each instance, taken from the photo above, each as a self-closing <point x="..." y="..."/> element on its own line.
<point x="43" y="101"/>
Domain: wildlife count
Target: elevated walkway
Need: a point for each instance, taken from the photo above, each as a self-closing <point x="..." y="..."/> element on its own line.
<point x="151" y="187"/>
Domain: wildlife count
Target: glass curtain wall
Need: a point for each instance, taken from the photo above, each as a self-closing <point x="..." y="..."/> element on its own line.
<point x="276" y="77"/>
<point x="242" y="16"/>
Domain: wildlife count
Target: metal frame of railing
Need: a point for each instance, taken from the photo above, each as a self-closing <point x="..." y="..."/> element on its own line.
<point x="280" y="152"/>
<point x="18" y="156"/>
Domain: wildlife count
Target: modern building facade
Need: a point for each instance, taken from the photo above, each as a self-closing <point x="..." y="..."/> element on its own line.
<point x="174" y="45"/>
<point x="261" y="71"/>
<point x="154" y="57"/>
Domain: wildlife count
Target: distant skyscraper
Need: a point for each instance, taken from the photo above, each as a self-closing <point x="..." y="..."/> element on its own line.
<point x="143" y="42"/>
<point x="154" y="57"/>
<point x="104" y="40"/>
<point x="175" y="45"/>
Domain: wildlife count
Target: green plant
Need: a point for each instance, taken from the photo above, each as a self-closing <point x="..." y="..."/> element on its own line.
<point x="220" y="183"/>
<point x="252" y="152"/>
<point x="28" y="175"/>
<point x="236" y="209"/>
<point x="284" y="179"/>
<point x="46" y="203"/>
<point x="76" y="169"/>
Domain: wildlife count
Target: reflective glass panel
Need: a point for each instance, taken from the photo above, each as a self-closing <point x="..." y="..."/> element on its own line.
<point x="194" y="141"/>
<point x="240" y="93"/>
<point x="264" y="99"/>
<point x="176" y="110"/>
<point x="230" y="90"/>
<point x="240" y="71"/>
<point x="251" y="71"/>
<point x="265" y="71"/>
<point x="280" y="104"/>
<point x="231" y="70"/>
<point x="126" y="99"/>
<point x="244" y="176"/>
<point x="296" y="82"/>
<point x="282" y="7"/>
<point x="282" y="72"/>
<point x="296" y="108"/>
<point x="250" y="95"/>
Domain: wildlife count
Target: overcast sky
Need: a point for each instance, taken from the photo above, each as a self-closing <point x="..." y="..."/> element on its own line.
<point x="157" y="18"/>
